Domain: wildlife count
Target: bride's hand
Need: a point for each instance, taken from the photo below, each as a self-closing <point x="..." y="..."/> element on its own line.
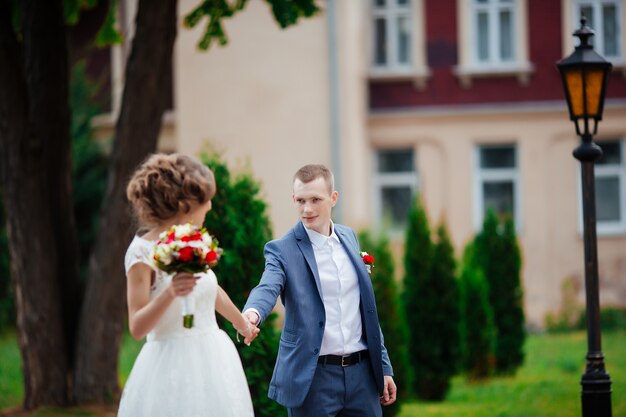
<point x="249" y="332"/>
<point x="182" y="284"/>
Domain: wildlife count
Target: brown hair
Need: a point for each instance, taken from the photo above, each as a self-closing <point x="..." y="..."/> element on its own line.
<point x="164" y="185"/>
<point x="311" y="172"/>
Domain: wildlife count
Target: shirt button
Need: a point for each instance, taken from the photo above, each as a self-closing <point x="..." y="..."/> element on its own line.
<point x="316" y="351"/>
<point x="321" y="324"/>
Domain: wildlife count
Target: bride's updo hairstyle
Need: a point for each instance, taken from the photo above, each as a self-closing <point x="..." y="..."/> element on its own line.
<point x="166" y="185"/>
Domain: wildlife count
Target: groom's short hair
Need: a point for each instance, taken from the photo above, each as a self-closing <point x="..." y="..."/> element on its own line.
<point x="311" y="172"/>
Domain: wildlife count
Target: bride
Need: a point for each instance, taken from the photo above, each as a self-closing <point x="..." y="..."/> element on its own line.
<point x="180" y="372"/>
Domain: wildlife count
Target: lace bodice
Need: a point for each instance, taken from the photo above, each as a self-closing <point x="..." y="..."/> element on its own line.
<point x="202" y="297"/>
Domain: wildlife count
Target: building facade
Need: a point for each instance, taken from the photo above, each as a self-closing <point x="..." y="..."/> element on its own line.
<point x="457" y="100"/>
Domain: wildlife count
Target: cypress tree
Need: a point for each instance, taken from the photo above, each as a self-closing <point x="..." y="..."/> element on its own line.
<point x="417" y="265"/>
<point x="511" y="327"/>
<point x="497" y="253"/>
<point x="391" y="316"/>
<point x="240" y="222"/>
<point x="431" y="305"/>
<point x="477" y="327"/>
<point x="442" y="301"/>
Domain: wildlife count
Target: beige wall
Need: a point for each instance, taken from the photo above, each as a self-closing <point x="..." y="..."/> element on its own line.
<point x="262" y="100"/>
<point x="550" y="237"/>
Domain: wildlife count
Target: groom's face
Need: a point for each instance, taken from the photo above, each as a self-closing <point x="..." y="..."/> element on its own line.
<point x="314" y="202"/>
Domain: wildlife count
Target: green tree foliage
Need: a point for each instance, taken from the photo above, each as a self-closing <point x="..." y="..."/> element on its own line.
<point x="440" y="304"/>
<point x="476" y="325"/>
<point x="391" y="316"/>
<point x="498" y="254"/>
<point x="89" y="163"/>
<point x="240" y="222"/>
<point x="431" y="305"/>
<point x="286" y="13"/>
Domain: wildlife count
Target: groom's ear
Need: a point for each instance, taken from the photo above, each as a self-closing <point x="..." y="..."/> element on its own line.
<point x="334" y="197"/>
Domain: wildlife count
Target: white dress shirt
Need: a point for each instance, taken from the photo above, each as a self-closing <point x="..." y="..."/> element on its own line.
<point x="340" y="293"/>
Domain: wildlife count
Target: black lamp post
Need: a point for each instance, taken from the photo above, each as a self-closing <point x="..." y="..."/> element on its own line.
<point x="584" y="75"/>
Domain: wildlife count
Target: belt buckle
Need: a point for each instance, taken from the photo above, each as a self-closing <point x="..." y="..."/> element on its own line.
<point x="343" y="358"/>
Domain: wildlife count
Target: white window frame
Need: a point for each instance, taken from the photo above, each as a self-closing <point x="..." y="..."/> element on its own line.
<point x="417" y="67"/>
<point x="598" y="25"/>
<point x="608" y="228"/>
<point x="493" y="9"/>
<point x="469" y="67"/>
<point x="482" y="175"/>
<point x="391" y="179"/>
<point x="571" y="22"/>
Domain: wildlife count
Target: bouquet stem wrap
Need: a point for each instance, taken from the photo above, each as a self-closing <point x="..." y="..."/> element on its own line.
<point x="188" y="310"/>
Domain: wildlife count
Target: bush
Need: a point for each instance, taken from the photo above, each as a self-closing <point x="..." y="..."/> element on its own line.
<point x="391" y="316"/>
<point x="498" y="255"/>
<point x="431" y="305"/>
<point x="477" y="327"/>
<point x="240" y="222"/>
<point x="611" y="318"/>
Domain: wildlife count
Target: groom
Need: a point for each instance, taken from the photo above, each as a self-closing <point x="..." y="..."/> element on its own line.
<point x="331" y="360"/>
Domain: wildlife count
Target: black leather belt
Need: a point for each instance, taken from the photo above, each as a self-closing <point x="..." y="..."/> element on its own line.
<point x="343" y="360"/>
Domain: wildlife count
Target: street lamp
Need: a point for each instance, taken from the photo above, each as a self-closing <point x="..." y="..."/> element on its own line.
<point x="584" y="74"/>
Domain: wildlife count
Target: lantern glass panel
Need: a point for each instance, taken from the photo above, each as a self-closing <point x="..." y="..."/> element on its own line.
<point x="593" y="90"/>
<point x="574" y="82"/>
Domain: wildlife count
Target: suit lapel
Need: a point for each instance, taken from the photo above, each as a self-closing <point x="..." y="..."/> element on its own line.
<point x="304" y="243"/>
<point x="365" y="284"/>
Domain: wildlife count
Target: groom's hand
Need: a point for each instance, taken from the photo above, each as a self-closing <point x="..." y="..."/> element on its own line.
<point x="389" y="392"/>
<point x="254" y="332"/>
<point x="252" y="316"/>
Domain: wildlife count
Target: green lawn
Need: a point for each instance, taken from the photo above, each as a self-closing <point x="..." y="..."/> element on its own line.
<point x="547" y="385"/>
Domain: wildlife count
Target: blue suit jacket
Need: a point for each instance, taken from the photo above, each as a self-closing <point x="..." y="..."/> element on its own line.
<point x="291" y="273"/>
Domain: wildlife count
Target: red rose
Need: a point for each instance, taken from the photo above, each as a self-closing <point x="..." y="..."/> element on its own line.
<point x="211" y="256"/>
<point x="185" y="254"/>
<point x="368" y="259"/>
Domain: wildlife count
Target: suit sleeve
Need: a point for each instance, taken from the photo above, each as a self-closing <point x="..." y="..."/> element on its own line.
<point x="263" y="297"/>
<point x="387" y="368"/>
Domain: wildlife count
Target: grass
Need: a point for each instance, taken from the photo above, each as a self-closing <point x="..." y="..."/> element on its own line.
<point x="11" y="381"/>
<point x="547" y="384"/>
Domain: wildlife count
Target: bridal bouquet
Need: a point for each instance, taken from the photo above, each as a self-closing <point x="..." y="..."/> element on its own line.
<point x="186" y="248"/>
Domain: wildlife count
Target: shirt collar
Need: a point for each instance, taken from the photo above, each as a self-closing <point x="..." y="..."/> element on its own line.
<point x="318" y="240"/>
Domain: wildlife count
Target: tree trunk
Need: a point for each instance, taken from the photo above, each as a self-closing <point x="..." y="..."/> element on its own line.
<point x="149" y="67"/>
<point x="34" y="129"/>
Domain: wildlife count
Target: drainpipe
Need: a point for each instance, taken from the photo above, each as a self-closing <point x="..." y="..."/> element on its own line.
<point x="335" y="125"/>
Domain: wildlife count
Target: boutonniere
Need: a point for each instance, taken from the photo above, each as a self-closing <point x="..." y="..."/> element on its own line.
<point x="368" y="260"/>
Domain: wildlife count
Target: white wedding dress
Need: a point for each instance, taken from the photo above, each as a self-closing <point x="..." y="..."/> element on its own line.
<point x="184" y="372"/>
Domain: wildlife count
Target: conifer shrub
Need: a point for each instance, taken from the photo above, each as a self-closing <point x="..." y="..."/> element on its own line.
<point x="239" y="221"/>
<point x="391" y="316"/>
<point x="431" y="305"/>
<point x="498" y="254"/>
<point x="477" y="327"/>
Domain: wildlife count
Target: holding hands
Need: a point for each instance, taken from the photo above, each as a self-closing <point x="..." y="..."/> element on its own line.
<point x="249" y="331"/>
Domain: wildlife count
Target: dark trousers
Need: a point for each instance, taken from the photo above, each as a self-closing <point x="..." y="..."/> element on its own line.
<point x="341" y="392"/>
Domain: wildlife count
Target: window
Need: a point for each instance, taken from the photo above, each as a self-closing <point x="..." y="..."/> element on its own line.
<point x="395" y="182"/>
<point x="493" y="40"/>
<point x="497" y="182"/>
<point x="603" y="16"/>
<point x="392" y="34"/>
<point x="494" y="32"/>
<point x="610" y="173"/>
